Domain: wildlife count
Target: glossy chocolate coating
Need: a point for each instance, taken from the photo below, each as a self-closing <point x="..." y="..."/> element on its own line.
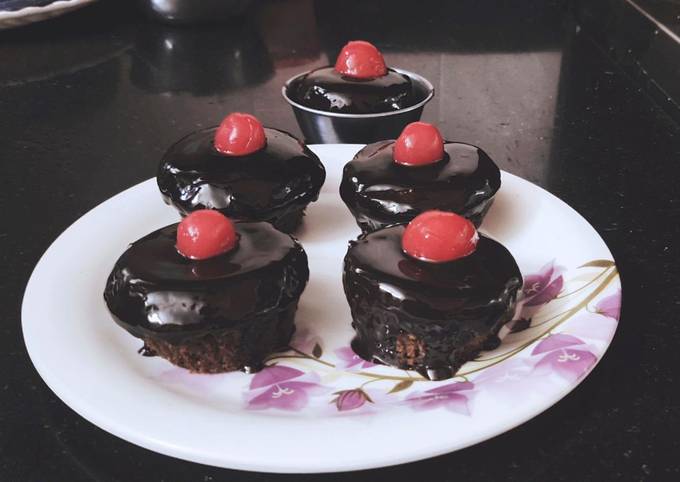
<point x="448" y="311"/>
<point x="379" y="192"/>
<point x="153" y="291"/>
<point x="327" y="90"/>
<point x="274" y="184"/>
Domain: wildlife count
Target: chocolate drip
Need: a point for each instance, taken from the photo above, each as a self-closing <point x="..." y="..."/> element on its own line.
<point x="423" y="316"/>
<point x="274" y="184"/>
<point x="154" y="292"/>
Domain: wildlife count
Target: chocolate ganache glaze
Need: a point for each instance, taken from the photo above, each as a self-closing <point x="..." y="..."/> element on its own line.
<point x="274" y="184"/>
<point x="327" y="90"/>
<point x="380" y="192"/>
<point x="155" y="293"/>
<point x="429" y="317"/>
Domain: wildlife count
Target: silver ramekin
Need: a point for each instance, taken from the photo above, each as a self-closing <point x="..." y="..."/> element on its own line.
<point x="321" y="127"/>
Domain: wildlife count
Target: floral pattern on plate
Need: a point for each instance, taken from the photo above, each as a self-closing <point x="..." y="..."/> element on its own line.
<point x="561" y="329"/>
<point x="539" y="345"/>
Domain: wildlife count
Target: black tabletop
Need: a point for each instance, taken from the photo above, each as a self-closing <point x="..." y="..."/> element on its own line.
<point x="89" y="102"/>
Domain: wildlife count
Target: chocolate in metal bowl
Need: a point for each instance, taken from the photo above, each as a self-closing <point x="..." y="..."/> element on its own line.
<point x="324" y="127"/>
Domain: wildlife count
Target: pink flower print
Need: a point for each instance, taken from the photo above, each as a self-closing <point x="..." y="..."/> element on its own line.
<point x="447" y="396"/>
<point x="569" y="363"/>
<point x="274" y="374"/>
<point x="610" y="306"/>
<point x="562" y="358"/>
<point x="282" y="387"/>
<point x="555" y="342"/>
<point x="372" y="401"/>
<point x="350" y="399"/>
<point x="348" y="360"/>
<point x="542" y="287"/>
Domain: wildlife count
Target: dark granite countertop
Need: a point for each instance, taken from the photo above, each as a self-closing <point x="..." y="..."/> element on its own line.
<point x="89" y="102"/>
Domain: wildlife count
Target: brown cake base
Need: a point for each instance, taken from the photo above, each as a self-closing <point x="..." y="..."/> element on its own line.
<point x="244" y="347"/>
<point x="411" y="352"/>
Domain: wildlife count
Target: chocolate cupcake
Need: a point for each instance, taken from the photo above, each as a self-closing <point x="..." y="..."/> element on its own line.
<point x="243" y="170"/>
<point x="359" y="83"/>
<point x="391" y="182"/>
<point x="429" y="296"/>
<point x="210" y="295"/>
<point x="357" y="101"/>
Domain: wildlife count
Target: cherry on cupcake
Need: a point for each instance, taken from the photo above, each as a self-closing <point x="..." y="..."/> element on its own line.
<point x="360" y="60"/>
<point x="419" y="144"/>
<point x="204" y="234"/>
<point x="239" y="134"/>
<point x="439" y="237"/>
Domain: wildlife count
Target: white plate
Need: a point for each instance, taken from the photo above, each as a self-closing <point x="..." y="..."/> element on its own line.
<point x="17" y="18"/>
<point x="291" y="418"/>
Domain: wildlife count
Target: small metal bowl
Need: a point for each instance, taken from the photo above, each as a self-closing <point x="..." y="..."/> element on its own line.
<point x="322" y="127"/>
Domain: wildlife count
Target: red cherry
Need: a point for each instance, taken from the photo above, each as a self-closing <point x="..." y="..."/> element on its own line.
<point x="418" y="144"/>
<point x="205" y="233"/>
<point x="239" y="134"/>
<point x="360" y="60"/>
<point x="438" y="237"/>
